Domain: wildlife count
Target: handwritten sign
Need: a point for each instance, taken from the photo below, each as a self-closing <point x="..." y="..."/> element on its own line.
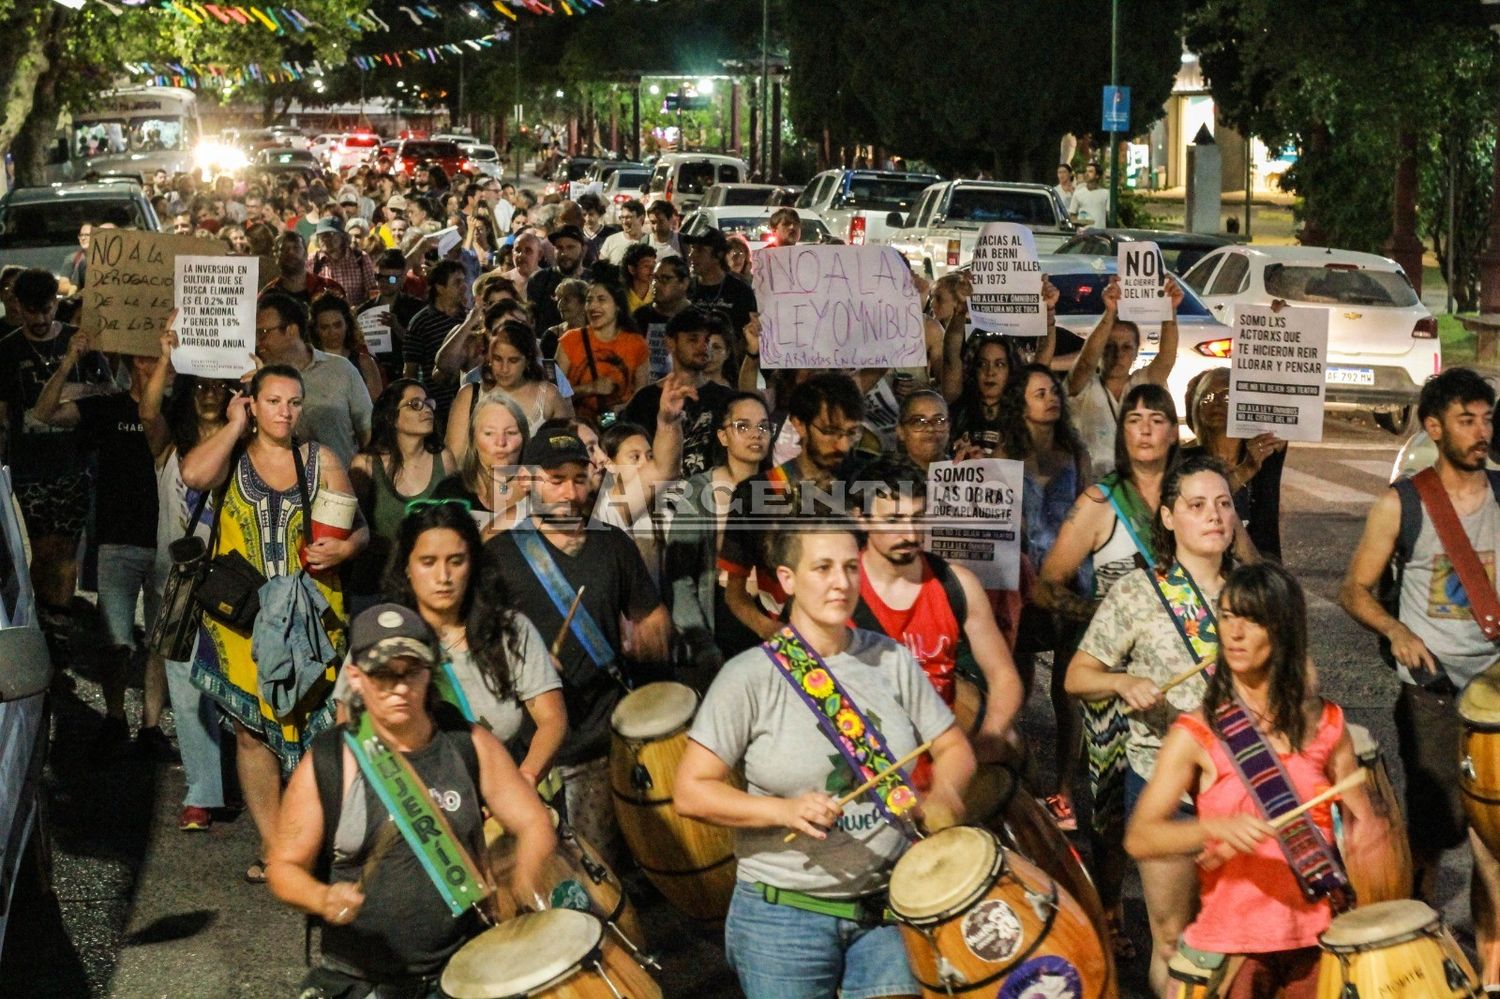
<point x="1007" y="280"/>
<point x="127" y="294"/>
<point x="656" y="351"/>
<point x="837" y="307"/>
<point x="1143" y="296"/>
<point x="974" y="517"/>
<point x="375" y="324"/>
<point x="215" y="299"/>
<point x="1276" y="378"/>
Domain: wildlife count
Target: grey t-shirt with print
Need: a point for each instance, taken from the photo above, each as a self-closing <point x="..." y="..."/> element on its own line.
<point x="753" y="714"/>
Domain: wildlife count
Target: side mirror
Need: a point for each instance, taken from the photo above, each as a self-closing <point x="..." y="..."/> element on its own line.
<point x="27" y="669"/>
<point x="895" y="220"/>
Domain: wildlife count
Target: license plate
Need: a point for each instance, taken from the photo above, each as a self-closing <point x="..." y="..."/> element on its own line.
<point x="1351" y="376"/>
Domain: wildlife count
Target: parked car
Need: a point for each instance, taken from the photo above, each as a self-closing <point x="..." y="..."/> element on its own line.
<point x="624" y="184"/>
<point x="785" y="196"/>
<point x="417" y="154"/>
<point x="25" y="676"/>
<point x="39" y="225"/>
<point x="571" y="169"/>
<point x="602" y="170"/>
<point x="323" y="143"/>
<point x="1419" y="451"/>
<point x="857" y="204"/>
<point x="1382" y="342"/>
<point x="486" y="160"/>
<point x="752" y="222"/>
<point x="737" y="194"/>
<point x="352" y="150"/>
<point x="681" y="178"/>
<point x="1179" y="250"/>
<point x="939" y="233"/>
<point x="286" y="158"/>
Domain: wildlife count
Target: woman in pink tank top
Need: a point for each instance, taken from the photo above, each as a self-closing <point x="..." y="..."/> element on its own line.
<point x="1251" y="902"/>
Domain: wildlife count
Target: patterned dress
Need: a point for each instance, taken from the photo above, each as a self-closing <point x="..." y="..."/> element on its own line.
<point x="265" y="525"/>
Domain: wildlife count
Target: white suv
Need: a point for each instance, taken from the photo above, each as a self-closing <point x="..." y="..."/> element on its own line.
<point x="856" y="204"/>
<point x="1382" y="342"/>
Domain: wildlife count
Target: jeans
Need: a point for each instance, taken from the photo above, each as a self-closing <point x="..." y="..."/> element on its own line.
<point x="198" y="734"/>
<point x="1135" y="785"/>
<point x="783" y="953"/>
<point x="125" y="573"/>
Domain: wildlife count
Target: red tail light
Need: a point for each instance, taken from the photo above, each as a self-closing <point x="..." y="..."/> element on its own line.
<point x="666" y="195"/>
<point x="620" y="199"/>
<point x="1220" y="348"/>
<point x="856" y="230"/>
<point x="1426" y="329"/>
<point x="953" y="248"/>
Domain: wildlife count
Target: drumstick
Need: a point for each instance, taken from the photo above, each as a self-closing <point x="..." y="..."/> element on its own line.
<point x="882" y="775"/>
<point x="1211" y="860"/>
<point x="562" y="632"/>
<point x="1182" y="677"/>
<point x="384" y="840"/>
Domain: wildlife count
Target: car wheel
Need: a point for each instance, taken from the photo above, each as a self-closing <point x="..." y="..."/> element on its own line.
<point x="1399" y="421"/>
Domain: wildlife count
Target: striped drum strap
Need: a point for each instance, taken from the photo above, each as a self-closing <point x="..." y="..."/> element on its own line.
<point x="1319" y="873"/>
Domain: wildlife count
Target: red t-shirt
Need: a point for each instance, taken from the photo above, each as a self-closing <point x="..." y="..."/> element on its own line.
<point x="928" y="627"/>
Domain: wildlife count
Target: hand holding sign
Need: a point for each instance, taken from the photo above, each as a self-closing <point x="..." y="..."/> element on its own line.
<point x="1143" y="278"/>
<point x="1277" y="379"/>
<point x="1007" y="280"/>
<point x="215" y="315"/>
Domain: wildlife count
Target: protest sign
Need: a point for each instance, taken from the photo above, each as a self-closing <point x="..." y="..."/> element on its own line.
<point x="1143" y="276"/>
<point x="215" y="299"/>
<point x="974" y="517"/>
<point x="831" y="306"/>
<point x="447" y="239"/>
<point x="1007" y="281"/>
<point x="375" y="325"/>
<point x="127" y="290"/>
<point x="1276" y="377"/>
<point x="656" y="351"/>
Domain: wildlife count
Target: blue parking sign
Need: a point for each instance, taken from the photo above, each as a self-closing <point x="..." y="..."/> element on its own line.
<point x="1116" y="109"/>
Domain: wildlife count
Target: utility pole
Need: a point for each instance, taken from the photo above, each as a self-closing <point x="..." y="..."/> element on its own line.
<point x="1114" y="81"/>
<point x="765" y="89"/>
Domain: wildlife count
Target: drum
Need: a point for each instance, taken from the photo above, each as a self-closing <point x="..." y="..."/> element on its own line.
<point x="974" y="916"/>
<point x="1479" y="756"/>
<point x="1186" y="980"/>
<point x="1384" y="874"/>
<point x="689" y="862"/>
<point x="1392" y="950"/>
<point x="574" y="877"/>
<point x="556" y="954"/>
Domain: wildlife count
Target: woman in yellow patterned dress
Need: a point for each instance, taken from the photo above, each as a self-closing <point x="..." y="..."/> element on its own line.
<point x="261" y="518"/>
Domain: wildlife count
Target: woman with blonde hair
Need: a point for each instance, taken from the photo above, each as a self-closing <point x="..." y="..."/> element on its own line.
<point x="489" y="478"/>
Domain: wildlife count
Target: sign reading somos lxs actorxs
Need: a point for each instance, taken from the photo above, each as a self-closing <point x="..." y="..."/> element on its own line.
<point x="837" y="307"/>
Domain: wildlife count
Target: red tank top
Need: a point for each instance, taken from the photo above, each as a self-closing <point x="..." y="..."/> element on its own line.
<point x="928" y="627"/>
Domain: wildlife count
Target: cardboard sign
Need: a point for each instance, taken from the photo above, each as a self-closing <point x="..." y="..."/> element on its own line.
<point x="974" y="517"/>
<point x="215" y="299"/>
<point x="127" y="291"/>
<point x="1143" y="276"/>
<point x="1277" y="372"/>
<point x="1007" y="282"/>
<point x="656" y="350"/>
<point x="831" y="306"/>
<point x="375" y="324"/>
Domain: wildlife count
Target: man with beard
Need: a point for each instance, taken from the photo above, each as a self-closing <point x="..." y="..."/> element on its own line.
<point x="545" y="563"/>
<point x="687" y="335"/>
<point x="1438" y="627"/>
<point x="295" y="278"/>
<point x="569" y="242"/>
<point x="937" y="610"/>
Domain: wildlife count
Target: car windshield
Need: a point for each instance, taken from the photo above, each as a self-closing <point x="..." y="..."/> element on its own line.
<point x="1080" y="295"/>
<point x="1339" y="285"/>
<point x="577" y="168"/>
<point x="630" y="180"/>
<point x="429" y="150"/>
<point x="485" y="153"/>
<point x="884" y="194"/>
<point x="987" y="204"/>
<point x="692" y="178"/>
<point x="133" y="135"/>
<point x="289" y="156"/>
<point x="56" y="223"/>
<point x="744" y="196"/>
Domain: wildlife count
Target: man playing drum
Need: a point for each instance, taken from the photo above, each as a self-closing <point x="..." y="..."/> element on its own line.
<point x="1436" y="626"/>
<point x="811" y="714"/>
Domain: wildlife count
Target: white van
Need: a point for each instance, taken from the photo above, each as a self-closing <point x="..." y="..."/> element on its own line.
<point x="681" y="178"/>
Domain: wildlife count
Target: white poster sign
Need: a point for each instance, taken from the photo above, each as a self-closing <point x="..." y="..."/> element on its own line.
<point x="831" y="306"/>
<point x="1143" y="294"/>
<point x="974" y="517"/>
<point x="447" y="239"/>
<point x="215" y="299"/>
<point x="375" y="324"/>
<point x="1276" y="380"/>
<point x="1007" y="281"/>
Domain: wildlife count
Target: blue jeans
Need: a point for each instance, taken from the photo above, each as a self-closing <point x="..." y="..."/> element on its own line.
<point x="1135" y="784"/>
<point x="783" y="953"/>
<point x="125" y="573"/>
<point x="198" y="733"/>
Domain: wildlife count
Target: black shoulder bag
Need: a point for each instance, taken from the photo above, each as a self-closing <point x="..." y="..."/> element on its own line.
<point x="176" y="624"/>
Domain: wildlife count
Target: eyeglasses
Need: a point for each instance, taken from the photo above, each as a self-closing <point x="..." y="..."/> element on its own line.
<point x="923" y="424"/>
<point x="268" y="330"/>
<point x="763" y="428"/>
<point x="389" y="679"/>
<point x="1209" y="398"/>
<point x="851" y="434"/>
<point x="423" y="403"/>
<point x="415" y="505"/>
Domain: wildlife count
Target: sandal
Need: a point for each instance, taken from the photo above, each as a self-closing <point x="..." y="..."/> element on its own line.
<point x="1061" y="807"/>
<point x="1123" y="947"/>
<point x="255" y="874"/>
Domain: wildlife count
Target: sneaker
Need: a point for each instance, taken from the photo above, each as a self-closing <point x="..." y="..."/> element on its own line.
<point x="1061" y="807"/>
<point x="111" y="740"/>
<point x="194" y="819"/>
<point x="153" y="743"/>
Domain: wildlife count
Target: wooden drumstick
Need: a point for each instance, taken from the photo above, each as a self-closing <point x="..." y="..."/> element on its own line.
<point x="384" y="840"/>
<point x="562" y="632"/>
<point x="1212" y="860"/>
<point x="882" y="775"/>
<point x="1182" y="677"/>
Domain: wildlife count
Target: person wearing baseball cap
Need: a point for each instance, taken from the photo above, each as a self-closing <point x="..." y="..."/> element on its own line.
<point x="419" y="766"/>
<point x="339" y="260"/>
<point x="395" y="208"/>
<point x="713" y="287"/>
<point x="549" y="561"/>
<point x="569" y="242"/>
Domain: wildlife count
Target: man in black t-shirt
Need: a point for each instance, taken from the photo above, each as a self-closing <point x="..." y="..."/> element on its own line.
<point x="713" y="287"/>
<point x="687" y="339"/>
<point x="669" y="287"/>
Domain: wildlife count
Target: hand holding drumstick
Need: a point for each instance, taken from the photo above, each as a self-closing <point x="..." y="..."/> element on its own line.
<point x="562" y="632"/>
<point x="1140" y="694"/>
<point x="812" y="810"/>
<point x="1237" y="835"/>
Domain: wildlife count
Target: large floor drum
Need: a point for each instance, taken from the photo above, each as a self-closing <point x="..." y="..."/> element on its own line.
<point x="1382" y="874"/>
<point x="1393" y="950"/>
<point x="1479" y="755"/>
<point x="555" y="954"/>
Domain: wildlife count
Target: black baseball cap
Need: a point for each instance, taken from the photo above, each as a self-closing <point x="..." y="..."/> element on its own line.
<point x="710" y="237"/>
<point x="549" y="450"/>
<point x="390" y="631"/>
<point x="568" y="232"/>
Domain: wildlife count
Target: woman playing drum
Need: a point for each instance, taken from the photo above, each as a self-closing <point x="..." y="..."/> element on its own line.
<point x="1262" y="725"/>
<point x="807" y="918"/>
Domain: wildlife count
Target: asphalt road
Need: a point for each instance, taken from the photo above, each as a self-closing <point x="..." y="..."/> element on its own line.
<point x="142" y="910"/>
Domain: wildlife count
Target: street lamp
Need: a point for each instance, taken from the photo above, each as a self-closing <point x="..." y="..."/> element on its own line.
<point x="654" y="89"/>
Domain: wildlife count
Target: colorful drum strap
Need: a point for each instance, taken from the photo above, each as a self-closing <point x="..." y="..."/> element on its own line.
<point x="425" y="829"/>
<point x="1319" y="873"/>
<point x="584" y="628"/>
<point x="845" y="725"/>
<point x="1192" y="615"/>
<point x="1130" y="511"/>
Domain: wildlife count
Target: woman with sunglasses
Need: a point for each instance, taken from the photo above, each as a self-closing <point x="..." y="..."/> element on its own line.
<point x="489" y="478"/>
<point x="404" y="461"/>
<point x="1254" y="465"/>
<point x="922" y="428"/>
<point x="512" y="366"/>
<point x="336" y="332"/>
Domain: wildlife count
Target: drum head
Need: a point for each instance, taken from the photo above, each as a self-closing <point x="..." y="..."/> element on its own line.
<point x="1377" y="924"/>
<point x="521" y="954"/>
<point x="939" y="875"/>
<point x="1365" y="746"/>
<point x="654" y="710"/>
<point x="1480" y="701"/>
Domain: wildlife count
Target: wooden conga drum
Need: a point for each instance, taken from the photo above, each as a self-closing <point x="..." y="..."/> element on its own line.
<point x="975" y="916"/>
<point x="689" y="862"/>
<point x="1393" y="950"/>
<point x="1185" y="980"/>
<point x="1383" y="874"/>
<point x="1479" y="756"/>
<point x="556" y="954"/>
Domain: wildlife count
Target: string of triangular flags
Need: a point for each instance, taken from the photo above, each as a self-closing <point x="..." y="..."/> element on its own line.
<point x="290" y="20"/>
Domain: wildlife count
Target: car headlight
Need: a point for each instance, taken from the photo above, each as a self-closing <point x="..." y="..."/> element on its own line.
<point x="220" y="156"/>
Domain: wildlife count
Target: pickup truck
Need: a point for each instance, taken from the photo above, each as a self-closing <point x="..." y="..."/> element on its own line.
<point x="939" y="234"/>
<point x="857" y="204"/>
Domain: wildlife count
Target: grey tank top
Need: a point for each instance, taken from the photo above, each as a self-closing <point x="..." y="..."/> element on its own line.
<point x="1434" y="605"/>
